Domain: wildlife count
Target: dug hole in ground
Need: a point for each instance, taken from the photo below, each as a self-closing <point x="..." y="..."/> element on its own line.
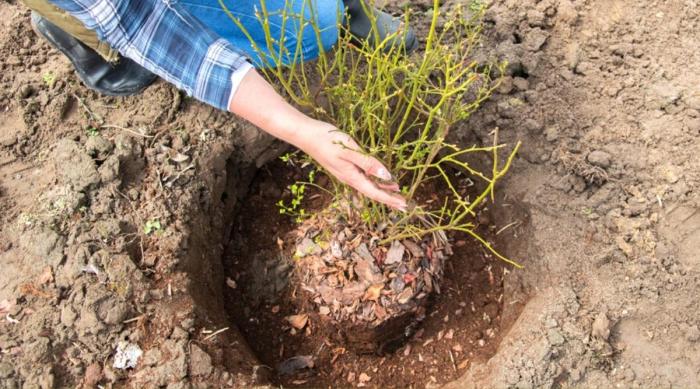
<point x="143" y="230"/>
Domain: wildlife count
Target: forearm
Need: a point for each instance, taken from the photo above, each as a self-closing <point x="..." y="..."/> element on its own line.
<point x="257" y="101"/>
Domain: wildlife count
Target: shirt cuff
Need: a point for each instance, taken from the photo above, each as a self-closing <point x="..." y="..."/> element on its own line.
<point x="236" y="78"/>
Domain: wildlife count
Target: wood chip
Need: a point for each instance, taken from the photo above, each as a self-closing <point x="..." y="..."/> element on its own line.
<point x="395" y="253"/>
<point x="405" y="296"/>
<point x="364" y="378"/>
<point x="373" y="292"/>
<point x="298" y="321"/>
<point x="415" y="250"/>
<point x="231" y="283"/>
<point x="363" y="252"/>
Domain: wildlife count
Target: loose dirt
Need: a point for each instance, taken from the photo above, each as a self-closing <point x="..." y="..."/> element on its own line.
<point x="601" y="207"/>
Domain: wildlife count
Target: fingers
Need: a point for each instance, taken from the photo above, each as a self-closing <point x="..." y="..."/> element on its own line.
<point x="391" y="187"/>
<point x="368" y="164"/>
<point x="362" y="184"/>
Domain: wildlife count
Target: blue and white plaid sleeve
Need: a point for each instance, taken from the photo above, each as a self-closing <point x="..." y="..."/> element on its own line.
<point x="164" y="38"/>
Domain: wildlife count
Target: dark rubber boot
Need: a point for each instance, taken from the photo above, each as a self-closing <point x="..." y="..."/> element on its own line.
<point x="360" y="26"/>
<point x="124" y="78"/>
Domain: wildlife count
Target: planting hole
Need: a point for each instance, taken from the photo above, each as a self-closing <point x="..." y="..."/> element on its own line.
<point x="464" y="324"/>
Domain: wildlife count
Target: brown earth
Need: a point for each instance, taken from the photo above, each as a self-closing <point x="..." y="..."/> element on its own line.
<point x="604" y="196"/>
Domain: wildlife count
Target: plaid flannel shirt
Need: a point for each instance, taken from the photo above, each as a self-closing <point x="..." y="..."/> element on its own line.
<point x="164" y="38"/>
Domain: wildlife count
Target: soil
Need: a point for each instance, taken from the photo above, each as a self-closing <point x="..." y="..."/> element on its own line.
<point x="601" y="207"/>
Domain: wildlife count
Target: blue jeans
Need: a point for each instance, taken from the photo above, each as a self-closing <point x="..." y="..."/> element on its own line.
<point x="326" y="14"/>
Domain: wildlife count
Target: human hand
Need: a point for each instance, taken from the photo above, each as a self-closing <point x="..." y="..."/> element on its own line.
<point x="339" y="154"/>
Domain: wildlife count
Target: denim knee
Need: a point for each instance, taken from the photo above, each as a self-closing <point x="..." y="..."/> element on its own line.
<point x="326" y="16"/>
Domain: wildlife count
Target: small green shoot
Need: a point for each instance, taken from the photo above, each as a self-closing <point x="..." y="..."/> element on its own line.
<point x="49" y="78"/>
<point x="92" y="131"/>
<point x="151" y="226"/>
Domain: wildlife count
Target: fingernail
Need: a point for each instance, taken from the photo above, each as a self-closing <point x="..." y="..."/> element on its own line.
<point x="383" y="174"/>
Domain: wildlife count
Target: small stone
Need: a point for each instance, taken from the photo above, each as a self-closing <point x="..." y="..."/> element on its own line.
<point x="200" y="362"/>
<point x="555" y="337"/>
<point x="299" y="362"/>
<point x="601" y="327"/>
<point x="127" y="355"/>
<point x="572" y="56"/>
<point x="599" y="158"/>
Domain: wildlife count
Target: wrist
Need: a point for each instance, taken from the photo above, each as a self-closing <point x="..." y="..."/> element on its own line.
<point x="304" y="132"/>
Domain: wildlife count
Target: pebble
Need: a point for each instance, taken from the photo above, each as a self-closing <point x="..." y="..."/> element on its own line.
<point x="572" y="56"/>
<point x="551" y="134"/>
<point x="599" y="158"/>
<point x="555" y="337"/>
<point x="601" y="327"/>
